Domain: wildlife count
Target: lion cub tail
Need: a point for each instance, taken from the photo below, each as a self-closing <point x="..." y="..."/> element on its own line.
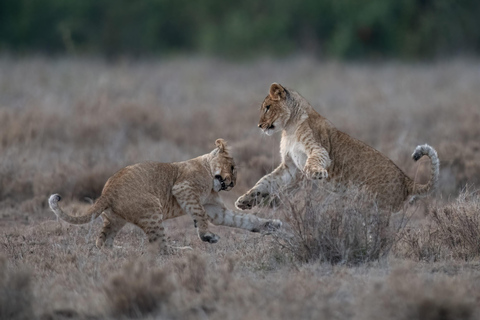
<point x="93" y="212"/>
<point x="423" y="189"/>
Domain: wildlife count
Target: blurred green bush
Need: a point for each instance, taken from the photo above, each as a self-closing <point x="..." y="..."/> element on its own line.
<point x="334" y="28"/>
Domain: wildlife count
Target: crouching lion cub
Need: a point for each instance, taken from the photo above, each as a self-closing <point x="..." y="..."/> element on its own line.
<point x="312" y="147"/>
<point x="146" y="194"/>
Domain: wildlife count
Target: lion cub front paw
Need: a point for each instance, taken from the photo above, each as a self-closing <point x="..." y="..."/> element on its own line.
<point x="208" y="237"/>
<point x="315" y="172"/>
<point x="268" y="226"/>
<point x="251" y="199"/>
<point x="271" y="226"/>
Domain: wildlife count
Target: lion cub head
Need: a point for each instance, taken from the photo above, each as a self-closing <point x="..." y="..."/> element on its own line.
<point x="275" y="112"/>
<point x="223" y="167"/>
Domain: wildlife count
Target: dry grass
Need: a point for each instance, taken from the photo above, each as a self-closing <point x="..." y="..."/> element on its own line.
<point x="68" y="124"/>
<point x="15" y="293"/>
<point x="339" y="228"/>
<point x="450" y="231"/>
<point x="138" y="291"/>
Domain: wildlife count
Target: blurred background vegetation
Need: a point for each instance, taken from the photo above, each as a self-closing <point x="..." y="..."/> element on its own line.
<point x="407" y="29"/>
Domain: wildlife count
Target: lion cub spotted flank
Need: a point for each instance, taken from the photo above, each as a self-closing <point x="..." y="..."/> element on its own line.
<point x="312" y="147"/>
<point x="146" y="194"/>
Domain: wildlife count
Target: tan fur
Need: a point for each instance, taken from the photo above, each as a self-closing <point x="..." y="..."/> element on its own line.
<point x="312" y="147"/>
<point x="146" y="194"/>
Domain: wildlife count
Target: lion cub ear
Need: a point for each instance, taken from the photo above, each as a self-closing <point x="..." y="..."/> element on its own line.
<point x="221" y="145"/>
<point x="277" y="92"/>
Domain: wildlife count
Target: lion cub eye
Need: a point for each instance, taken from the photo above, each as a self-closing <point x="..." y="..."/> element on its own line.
<point x="267" y="107"/>
<point x="233" y="168"/>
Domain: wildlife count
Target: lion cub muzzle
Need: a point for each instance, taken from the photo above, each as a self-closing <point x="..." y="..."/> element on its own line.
<point x="226" y="184"/>
<point x="266" y="126"/>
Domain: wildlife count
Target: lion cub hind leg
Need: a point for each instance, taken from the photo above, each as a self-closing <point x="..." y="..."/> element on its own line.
<point x="112" y="223"/>
<point x="158" y="241"/>
<point x="222" y="216"/>
<point x="155" y="232"/>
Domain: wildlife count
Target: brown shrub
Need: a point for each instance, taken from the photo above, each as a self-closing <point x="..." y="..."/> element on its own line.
<point x="16" y="296"/>
<point x="27" y="128"/>
<point x="139" y="291"/>
<point x="451" y="231"/>
<point x="404" y="296"/>
<point x="345" y="227"/>
<point x="462" y="160"/>
<point x="81" y="184"/>
<point x="192" y="272"/>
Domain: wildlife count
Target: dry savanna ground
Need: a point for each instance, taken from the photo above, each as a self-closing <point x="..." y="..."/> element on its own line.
<point x="68" y="124"/>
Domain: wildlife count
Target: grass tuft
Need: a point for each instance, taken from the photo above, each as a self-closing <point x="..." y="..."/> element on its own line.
<point x="451" y="231"/>
<point x="339" y="228"/>
<point x="138" y="291"/>
<point x="16" y="296"/>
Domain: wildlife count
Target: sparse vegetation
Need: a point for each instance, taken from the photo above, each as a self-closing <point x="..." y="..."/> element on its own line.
<point x="450" y="230"/>
<point x="138" y="292"/>
<point x="337" y="227"/>
<point x="68" y="124"/>
<point x="15" y="292"/>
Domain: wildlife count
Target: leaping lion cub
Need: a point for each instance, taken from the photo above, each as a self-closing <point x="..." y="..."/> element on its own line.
<point x="146" y="194"/>
<point x="313" y="146"/>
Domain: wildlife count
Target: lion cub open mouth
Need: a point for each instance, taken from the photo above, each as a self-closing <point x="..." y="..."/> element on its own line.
<point x="223" y="184"/>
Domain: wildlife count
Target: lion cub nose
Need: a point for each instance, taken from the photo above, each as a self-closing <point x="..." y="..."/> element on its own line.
<point x="259" y="125"/>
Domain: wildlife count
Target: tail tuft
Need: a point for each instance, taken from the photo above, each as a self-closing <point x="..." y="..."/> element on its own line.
<point x="53" y="200"/>
<point x="426" y="150"/>
<point x="92" y="213"/>
<point x="416" y="155"/>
